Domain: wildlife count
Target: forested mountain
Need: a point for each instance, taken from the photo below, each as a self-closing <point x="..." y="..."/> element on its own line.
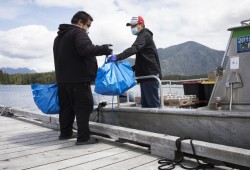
<point x="189" y="58"/>
<point x="17" y="71"/>
<point x="177" y="62"/>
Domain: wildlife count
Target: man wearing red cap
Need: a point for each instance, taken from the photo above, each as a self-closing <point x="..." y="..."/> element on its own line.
<point x="146" y="62"/>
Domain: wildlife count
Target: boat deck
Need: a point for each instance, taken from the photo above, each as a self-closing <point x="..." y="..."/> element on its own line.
<point x="29" y="146"/>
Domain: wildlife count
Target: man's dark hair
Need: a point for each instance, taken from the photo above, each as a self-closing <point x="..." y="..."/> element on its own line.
<point x="81" y="15"/>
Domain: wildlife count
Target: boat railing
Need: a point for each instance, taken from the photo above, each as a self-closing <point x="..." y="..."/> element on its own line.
<point x="181" y="81"/>
<point x="160" y="87"/>
<point x="245" y="22"/>
<point x="161" y="82"/>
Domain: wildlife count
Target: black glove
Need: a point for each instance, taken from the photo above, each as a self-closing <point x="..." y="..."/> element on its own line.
<point x="108" y="51"/>
<point x="109" y="45"/>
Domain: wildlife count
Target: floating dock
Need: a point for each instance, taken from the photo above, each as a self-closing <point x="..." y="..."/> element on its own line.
<point x="28" y="146"/>
<point x="30" y="141"/>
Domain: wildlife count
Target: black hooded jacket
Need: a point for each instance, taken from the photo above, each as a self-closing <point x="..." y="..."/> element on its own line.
<point x="147" y="60"/>
<point x="75" y="55"/>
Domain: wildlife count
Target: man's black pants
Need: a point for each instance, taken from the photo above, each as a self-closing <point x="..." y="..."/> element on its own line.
<point x="76" y="100"/>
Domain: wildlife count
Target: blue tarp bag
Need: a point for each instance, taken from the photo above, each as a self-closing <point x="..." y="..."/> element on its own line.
<point x="46" y="97"/>
<point x="114" y="78"/>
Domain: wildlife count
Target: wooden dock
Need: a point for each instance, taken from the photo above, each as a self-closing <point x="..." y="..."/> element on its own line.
<point x="26" y="144"/>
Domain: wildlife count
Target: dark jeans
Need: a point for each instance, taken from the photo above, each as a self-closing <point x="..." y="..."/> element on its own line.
<point x="76" y="100"/>
<point x="149" y="94"/>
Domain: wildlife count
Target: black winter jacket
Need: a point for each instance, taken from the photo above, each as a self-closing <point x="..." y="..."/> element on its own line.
<point x="75" y="55"/>
<point x="147" y="60"/>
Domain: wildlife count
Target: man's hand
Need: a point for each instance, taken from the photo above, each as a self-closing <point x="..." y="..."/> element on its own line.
<point x="109" y="50"/>
<point x="112" y="58"/>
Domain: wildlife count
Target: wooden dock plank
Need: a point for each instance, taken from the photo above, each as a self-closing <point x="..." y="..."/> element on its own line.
<point x="79" y="160"/>
<point x="11" y="122"/>
<point x="109" y="160"/>
<point x="132" y="162"/>
<point x="72" y="162"/>
<point x="17" y="128"/>
<point x="37" y="144"/>
<point x="47" y="146"/>
<point x="16" y="135"/>
<point x="28" y="143"/>
<point x="23" y="133"/>
<point x="23" y="148"/>
<point x="28" y="138"/>
<point x="8" y="120"/>
<point x="153" y="165"/>
<point x="44" y="158"/>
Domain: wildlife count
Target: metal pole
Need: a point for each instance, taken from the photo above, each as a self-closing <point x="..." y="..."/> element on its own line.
<point x="231" y="97"/>
<point x="118" y="101"/>
<point x="170" y="84"/>
<point x="128" y="96"/>
<point x="222" y="62"/>
<point x="160" y="87"/>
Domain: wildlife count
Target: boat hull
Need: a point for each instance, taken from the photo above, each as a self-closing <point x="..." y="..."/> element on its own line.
<point x="221" y="127"/>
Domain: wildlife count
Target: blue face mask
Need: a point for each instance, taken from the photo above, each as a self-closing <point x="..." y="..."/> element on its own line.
<point x="87" y="31"/>
<point x="135" y="31"/>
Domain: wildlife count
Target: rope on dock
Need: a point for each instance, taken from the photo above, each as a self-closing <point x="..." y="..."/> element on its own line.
<point x="167" y="164"/>
<point x="3" y="113"/>
<point x="2" y="110"/>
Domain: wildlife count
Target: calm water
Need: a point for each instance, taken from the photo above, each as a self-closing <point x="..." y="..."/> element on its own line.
<point x="20" y="96"/>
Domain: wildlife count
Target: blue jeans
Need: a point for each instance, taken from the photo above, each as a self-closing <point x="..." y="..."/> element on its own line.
<point x="149" y="94"/>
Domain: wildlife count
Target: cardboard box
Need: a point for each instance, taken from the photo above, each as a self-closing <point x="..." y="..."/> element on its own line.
<point x="179" y="102"/>
<point x="171" y="102"/>
<point x="211" y="76"/>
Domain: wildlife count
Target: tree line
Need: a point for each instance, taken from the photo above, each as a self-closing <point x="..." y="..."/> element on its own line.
<point x="24" y="79"/>
<point x="49" y="78"/>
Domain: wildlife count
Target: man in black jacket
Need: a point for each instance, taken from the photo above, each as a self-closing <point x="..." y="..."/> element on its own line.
<point x="146" y="62"/>
<point x="75" y="67"/>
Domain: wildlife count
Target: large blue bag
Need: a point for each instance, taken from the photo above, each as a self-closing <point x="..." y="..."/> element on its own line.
<point x="46" y="97"/>
<point x="114" y="78"/>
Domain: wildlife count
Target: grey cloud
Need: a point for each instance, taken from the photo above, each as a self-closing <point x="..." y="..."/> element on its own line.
<point x="8" y="54"/>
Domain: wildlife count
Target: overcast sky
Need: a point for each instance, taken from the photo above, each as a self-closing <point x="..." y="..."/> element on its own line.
<point x="28" y="27"/>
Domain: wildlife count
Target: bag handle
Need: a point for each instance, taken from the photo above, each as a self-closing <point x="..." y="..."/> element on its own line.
<point x="106" y="58"/>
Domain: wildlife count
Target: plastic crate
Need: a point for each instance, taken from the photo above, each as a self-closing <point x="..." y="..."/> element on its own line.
<point x="194" y="88"/>
<point x="208" y="88"/>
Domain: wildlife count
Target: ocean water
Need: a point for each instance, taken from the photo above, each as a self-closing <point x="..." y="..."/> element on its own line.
<point x="20" y="96"/>
<point x="17" y="96"/>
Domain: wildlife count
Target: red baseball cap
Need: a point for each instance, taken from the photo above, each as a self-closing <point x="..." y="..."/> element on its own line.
<point x="135" y="21"/>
